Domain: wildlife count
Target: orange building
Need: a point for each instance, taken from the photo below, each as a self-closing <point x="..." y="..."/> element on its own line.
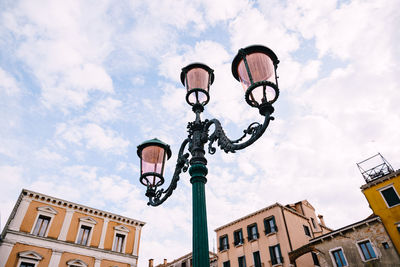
<point x="46" y="231"/>
<point x="265" y="237"/>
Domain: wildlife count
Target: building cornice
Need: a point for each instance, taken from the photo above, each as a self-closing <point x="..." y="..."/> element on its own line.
<point x="380" y="180"/>
<point x="78" y="207"/>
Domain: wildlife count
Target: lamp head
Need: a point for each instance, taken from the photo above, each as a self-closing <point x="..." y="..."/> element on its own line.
<point x="197" y="78"/>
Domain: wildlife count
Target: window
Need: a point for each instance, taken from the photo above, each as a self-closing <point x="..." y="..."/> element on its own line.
<point x="242" y="261"/>
<point x="28" y="259"/>
<point x="238" y="237"/>
<point x="83" y="235"/>
<point x="390" y="196"/>
<point x="367" y="250"/>
<point x="338" y="257"/>
<point x="41" y="225"/>
<point x="119" y="242"/>
<point x="385" y="245"/>
<point x="227" y="264"/>
<point x="257" y="259"/>
<point x="252" y="232"/>
<point x="315" y="259"/>
<point x="183" y="264"/>
<point x="43" y="220"/>
<point x="223" y="243"/>
<point x="276" y="255"/>
<point x="313" y="223"/>
<point x="307" y="230"/>
<point x="270" y="225"/>
<point x="120" y="236"/>
<point x="85" y="232"/>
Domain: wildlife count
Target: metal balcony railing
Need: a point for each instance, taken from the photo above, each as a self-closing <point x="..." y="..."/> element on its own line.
<point x="374" y="167"/>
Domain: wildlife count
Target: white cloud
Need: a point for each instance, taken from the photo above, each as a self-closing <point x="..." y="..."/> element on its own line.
<point x="105" y="110"/>
<point x="94" y="136"/>
<point x="253" y="27"/>
<point x="65" y="56"/>
<point x="12" y="182"/>
<point x="46" y="155"/>
<point x="216" y="11"/>
<point x="8" y="85"/>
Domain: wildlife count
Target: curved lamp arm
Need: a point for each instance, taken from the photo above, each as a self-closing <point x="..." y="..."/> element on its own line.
<point x="255" y="130"/>
<point x="158" y="197"/>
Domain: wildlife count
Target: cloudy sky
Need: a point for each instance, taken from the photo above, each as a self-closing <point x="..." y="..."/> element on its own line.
<point x="82" y="83"/>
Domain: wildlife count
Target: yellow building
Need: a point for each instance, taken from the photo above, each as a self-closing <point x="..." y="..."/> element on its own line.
<point x="46" y="231"/>
<point x="382" y="190"/>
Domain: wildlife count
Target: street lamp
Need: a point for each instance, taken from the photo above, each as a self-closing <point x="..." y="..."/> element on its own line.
<point x="255" y="67"/>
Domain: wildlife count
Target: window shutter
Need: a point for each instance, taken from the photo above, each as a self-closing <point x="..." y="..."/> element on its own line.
<point x="272" y="255"/>
<point x="276" y="227"/>
<point x="279" y="251"/>
<point x="257" y="260"/>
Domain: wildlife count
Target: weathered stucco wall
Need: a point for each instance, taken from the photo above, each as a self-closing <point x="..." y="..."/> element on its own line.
<point x="347" y="240"/>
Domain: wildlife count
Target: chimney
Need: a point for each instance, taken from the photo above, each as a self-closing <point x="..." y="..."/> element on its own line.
<point x="151" y="263"/>
<point x="165" y="262"/>
<point x="321" y="219"/>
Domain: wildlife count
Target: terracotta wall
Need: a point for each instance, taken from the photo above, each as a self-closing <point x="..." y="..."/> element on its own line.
<point x="13" y="258"/>
<point x="31" y="215"/>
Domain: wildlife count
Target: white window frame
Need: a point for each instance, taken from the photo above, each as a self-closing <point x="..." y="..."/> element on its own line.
<point x="373" y="248"/>
<point x="45" y="211"/>
<point x="384" y="199"/>
<point x="29" y="257"/>
<point x="89" y="222"/>
<point x="77" y="262"/>
<point x="122" y="230"/>
<point x="333" y="258"/>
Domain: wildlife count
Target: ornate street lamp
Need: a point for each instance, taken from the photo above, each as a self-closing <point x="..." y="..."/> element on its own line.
<point x="255" y="67"/>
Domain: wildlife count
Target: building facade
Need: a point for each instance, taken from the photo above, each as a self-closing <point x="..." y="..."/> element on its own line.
<point x="364" y="243"/>
<point x="383" y="196"/>
<point x="46" y="231"/>
<point x="265" y="237"/>
<point x="186" y="261"/>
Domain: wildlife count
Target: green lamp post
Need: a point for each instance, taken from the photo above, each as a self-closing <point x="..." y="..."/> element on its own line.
<point x="255" y="67"/>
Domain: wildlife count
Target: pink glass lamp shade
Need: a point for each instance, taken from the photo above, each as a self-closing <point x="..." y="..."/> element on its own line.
<point x="152" y="154"/>
<point x="255" y="68"/>
<point x="197" y="78"/>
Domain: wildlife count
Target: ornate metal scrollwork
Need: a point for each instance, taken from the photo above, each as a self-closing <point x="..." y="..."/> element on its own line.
<point x="255" y="130"/>
<point x="157" y="197"/>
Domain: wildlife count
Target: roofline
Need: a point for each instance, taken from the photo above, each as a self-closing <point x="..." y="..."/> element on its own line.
<point x="185" y="256"/>
<point x="345" y="228"/>
<point x="380" y="180"/>
<point x="258" y="212"/>
<point x="91" y="211"/>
